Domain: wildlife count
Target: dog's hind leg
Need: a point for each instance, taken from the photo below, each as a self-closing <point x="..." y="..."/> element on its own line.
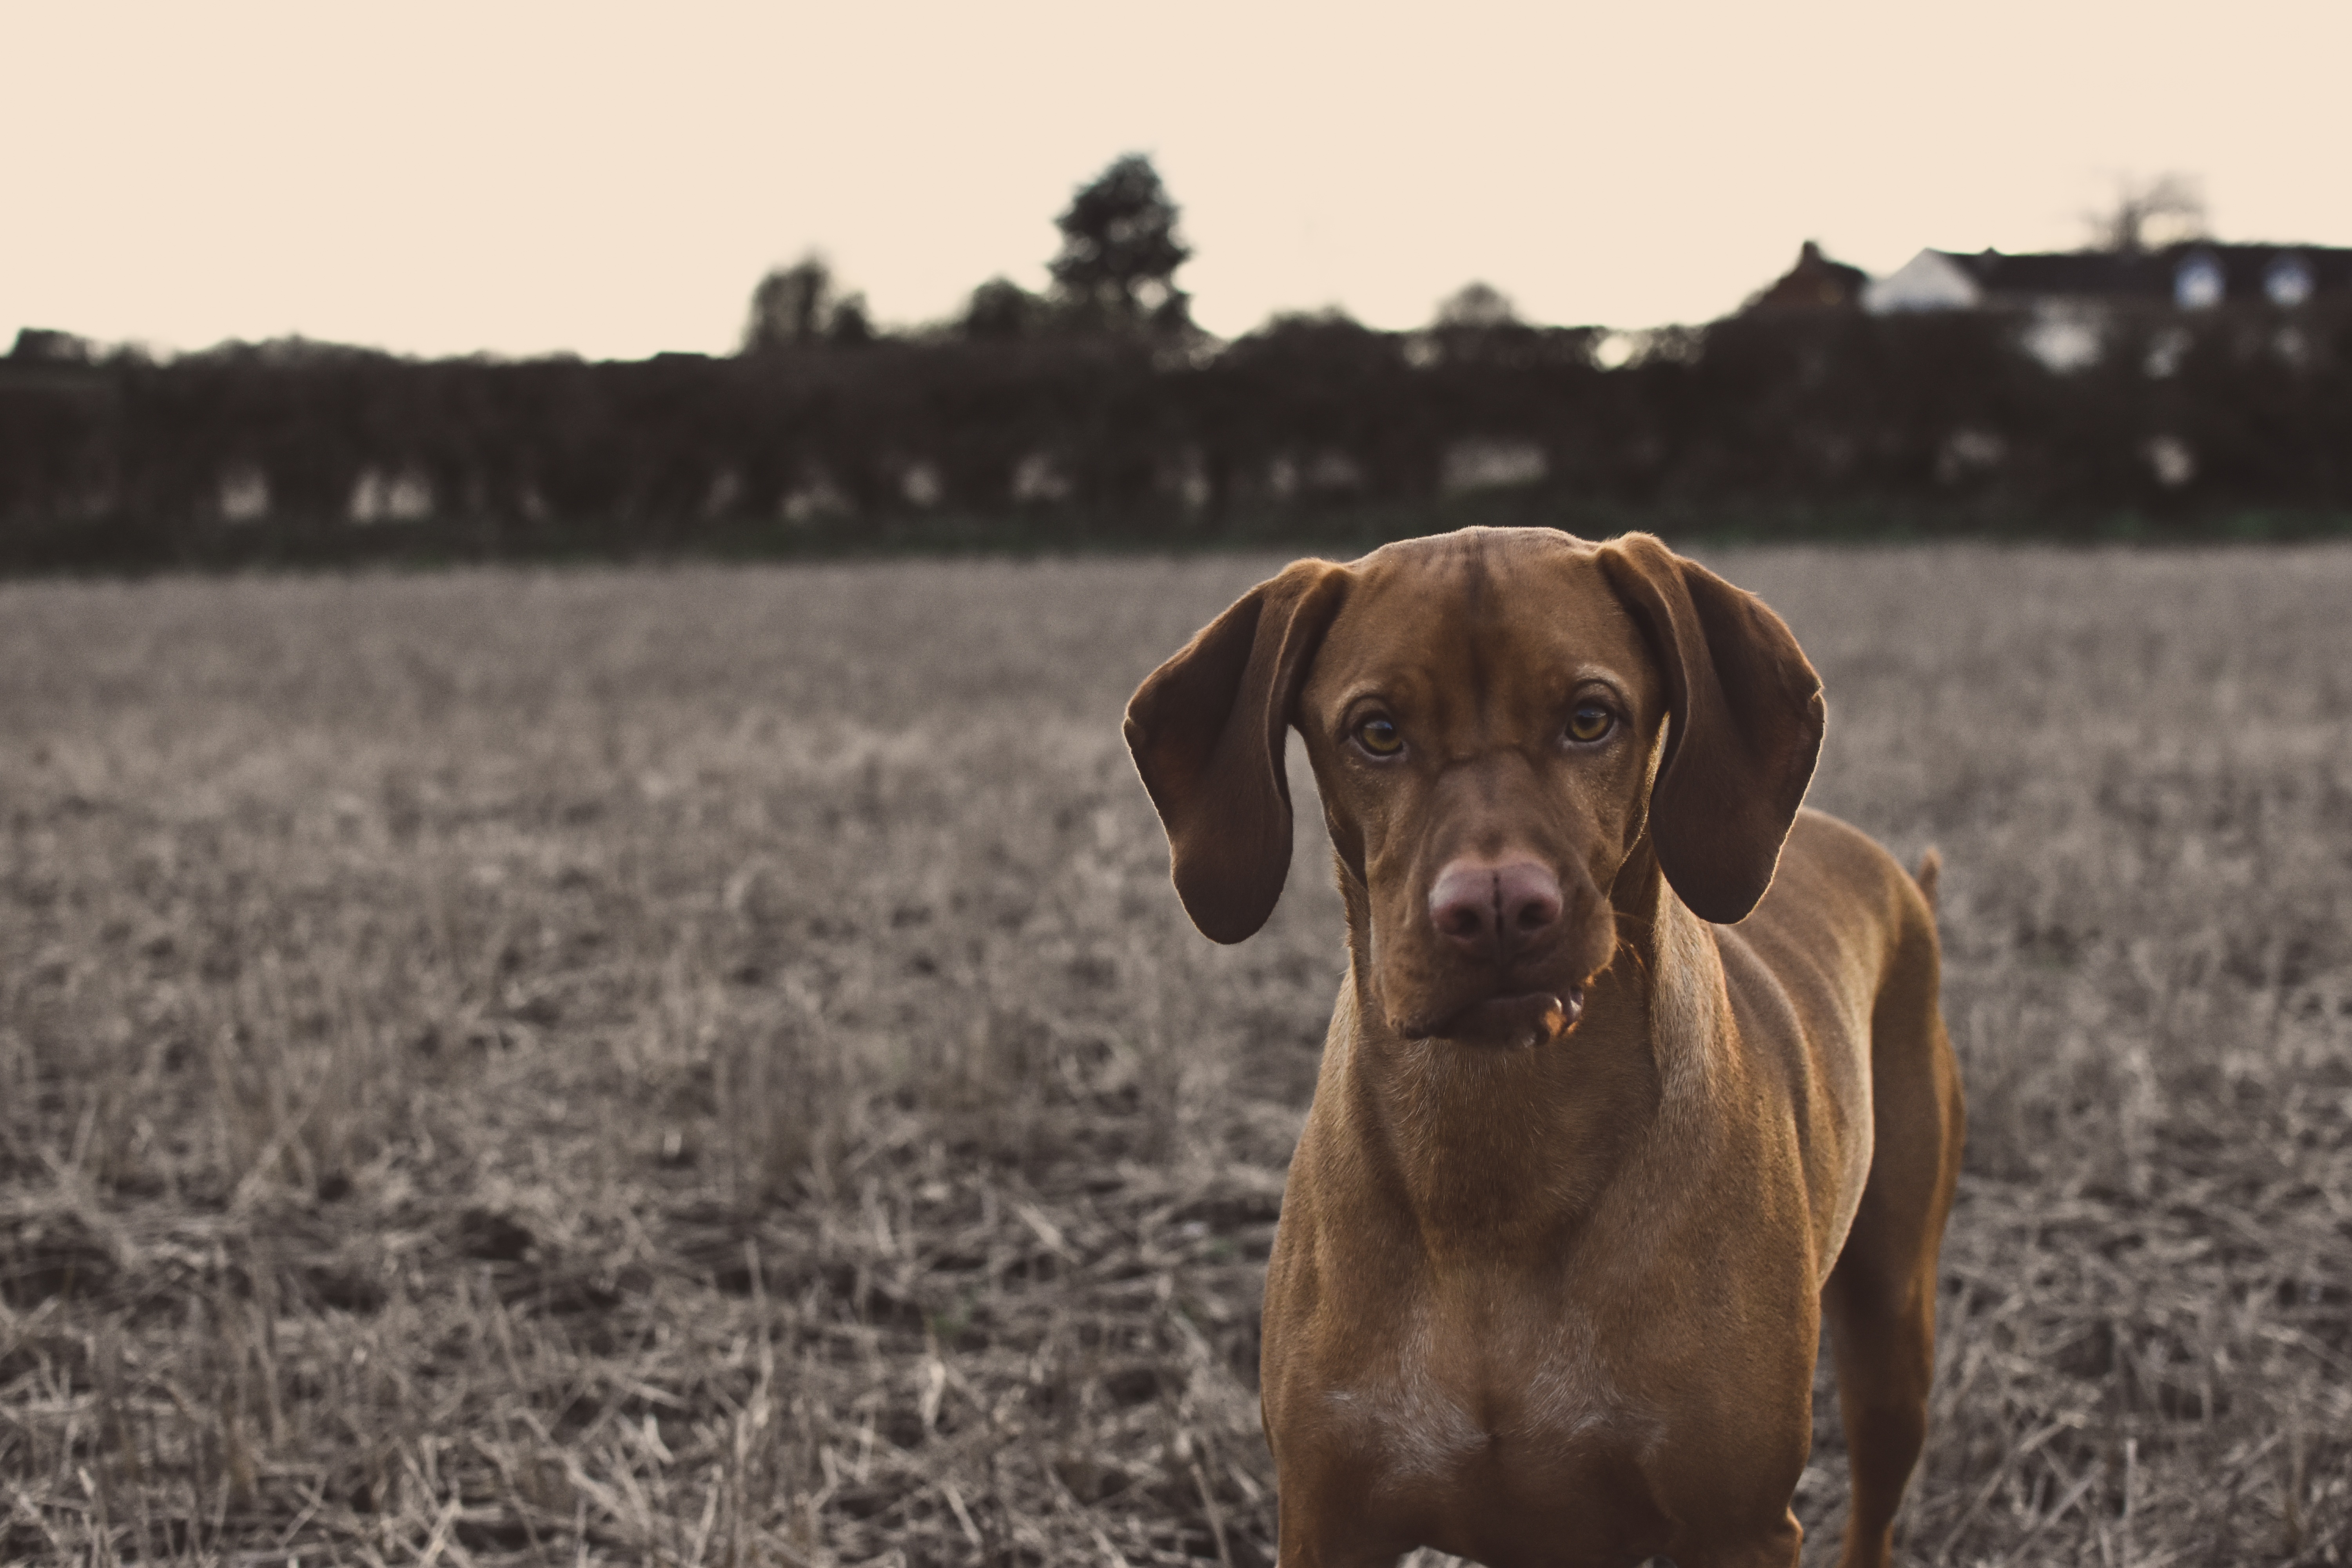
<point x="1880" y="1299"/>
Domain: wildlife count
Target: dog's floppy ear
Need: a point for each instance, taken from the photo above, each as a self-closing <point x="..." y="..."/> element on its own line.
<point x="1746" y="716"/>
<point x="1207" y="730"/>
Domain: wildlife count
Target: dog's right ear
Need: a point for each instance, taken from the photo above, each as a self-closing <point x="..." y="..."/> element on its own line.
<point x="1207" y="730"/>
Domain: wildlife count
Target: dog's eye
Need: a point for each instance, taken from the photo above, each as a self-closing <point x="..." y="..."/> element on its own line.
<point x="1379" y="737"/>
<point x="1590" y="722"/>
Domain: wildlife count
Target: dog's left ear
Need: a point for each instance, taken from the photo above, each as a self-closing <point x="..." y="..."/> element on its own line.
<point x="1745" y="717"/>
<point x="1207" y="730"/>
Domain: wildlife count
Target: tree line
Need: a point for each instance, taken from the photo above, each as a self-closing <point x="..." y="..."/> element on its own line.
<point x="1114" y="277"/>
<point x="1097" y="413"/>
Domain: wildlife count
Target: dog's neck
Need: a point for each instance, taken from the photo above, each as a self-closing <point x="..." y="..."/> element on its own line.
<point x="1518" y="1145"/>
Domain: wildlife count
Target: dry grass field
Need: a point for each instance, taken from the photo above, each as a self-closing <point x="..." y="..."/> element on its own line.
<point x="699" y="1067"/>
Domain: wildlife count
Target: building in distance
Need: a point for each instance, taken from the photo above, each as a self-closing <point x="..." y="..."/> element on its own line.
<point x="2191" y="274"/>
<point x="1815" y="282"/>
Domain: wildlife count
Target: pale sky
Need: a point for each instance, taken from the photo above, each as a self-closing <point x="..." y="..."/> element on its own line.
<point x="613" y="180"/>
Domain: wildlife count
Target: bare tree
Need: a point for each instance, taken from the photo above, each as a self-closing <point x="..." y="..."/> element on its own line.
<point x="2150" y="213"/>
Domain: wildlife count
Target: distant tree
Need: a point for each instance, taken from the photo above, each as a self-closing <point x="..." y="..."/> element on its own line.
<point x="788" y="305"/>
<point x="49" y="346"/>
<point x="1120" y="251"/>
<point x="1001" y="311"/>
<point x="796" y="306"/>
<point x="849" y="321"/>
<point x="2150" y="213"/>
<point x="1477" y="305"/>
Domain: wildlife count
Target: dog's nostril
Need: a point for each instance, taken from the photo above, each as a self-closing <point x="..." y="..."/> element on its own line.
<point x="1463" y="904"/>
<point x="1528" y="895"/>
<point x="1462" y="918"/>
<point x="1535" y="913"/>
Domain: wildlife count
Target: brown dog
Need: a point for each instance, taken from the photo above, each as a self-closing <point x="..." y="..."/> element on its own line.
<point x="1612" y="1110"/>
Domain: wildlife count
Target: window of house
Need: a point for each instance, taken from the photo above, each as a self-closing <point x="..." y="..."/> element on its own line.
<point x="2199" y="283"/>
<point x="2288" y="280"/>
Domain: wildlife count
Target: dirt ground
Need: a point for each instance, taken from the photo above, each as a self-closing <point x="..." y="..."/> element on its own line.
<point x="699" y="1066"/>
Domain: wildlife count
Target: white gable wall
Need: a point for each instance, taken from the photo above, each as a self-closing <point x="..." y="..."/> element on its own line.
<point x="1928" y="281"/>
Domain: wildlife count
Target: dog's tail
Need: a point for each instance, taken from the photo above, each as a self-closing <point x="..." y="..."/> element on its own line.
<point x="1931" y="867"/>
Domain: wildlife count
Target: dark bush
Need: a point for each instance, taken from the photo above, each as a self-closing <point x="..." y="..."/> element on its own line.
<point x="302" y="452"/>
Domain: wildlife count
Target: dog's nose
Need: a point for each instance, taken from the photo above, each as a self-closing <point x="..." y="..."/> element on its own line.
<point x="1493" y="912"/>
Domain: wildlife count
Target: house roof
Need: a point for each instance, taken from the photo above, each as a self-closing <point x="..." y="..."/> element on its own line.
<point x="2248" y="273"/>
<point x="1814" y="281"/>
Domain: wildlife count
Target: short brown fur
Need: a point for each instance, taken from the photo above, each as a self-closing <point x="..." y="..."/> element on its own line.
<point x="1569" y="1210"/>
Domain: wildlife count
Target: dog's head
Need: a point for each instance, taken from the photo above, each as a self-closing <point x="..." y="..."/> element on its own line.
<point x="1498" y="720"/>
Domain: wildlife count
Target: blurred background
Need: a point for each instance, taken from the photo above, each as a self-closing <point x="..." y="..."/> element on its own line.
<point x="295" y="285"/>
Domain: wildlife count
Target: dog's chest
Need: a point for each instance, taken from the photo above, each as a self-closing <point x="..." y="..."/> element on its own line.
<point x="1471" y="1441"/>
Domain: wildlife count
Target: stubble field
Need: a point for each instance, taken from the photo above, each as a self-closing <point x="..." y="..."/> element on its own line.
<point x="693" y="1066"/>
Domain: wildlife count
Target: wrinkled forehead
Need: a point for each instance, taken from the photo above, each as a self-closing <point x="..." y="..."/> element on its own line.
<point x="1490" y="611"/>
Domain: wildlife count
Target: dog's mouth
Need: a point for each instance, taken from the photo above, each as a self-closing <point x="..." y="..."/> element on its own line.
<point x="1512" y="1020"/>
